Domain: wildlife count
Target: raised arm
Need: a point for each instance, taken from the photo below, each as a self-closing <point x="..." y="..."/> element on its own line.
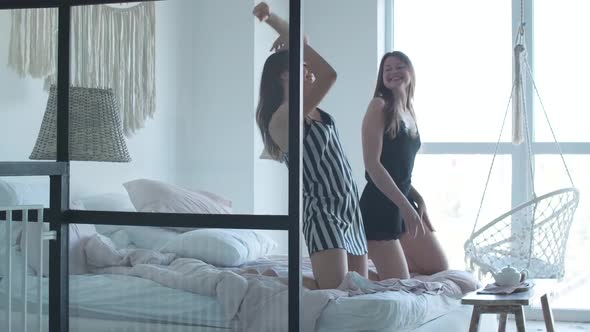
<point x="325" y="75"/>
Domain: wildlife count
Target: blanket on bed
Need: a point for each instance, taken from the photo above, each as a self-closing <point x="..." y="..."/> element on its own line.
<point x="247" y="296"/>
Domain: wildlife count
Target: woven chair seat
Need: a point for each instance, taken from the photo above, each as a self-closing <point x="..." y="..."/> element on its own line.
<point x="532" y="236"/>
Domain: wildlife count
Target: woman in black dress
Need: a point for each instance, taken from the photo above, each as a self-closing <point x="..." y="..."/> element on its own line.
<point x="390" y="205"/>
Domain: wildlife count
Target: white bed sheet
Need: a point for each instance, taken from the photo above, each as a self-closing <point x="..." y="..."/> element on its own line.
<point x="126" y="300"/>
<point x="389" y="311"/>
<point x="79" y="324"/>
<point x="456" y="320"/>
<point x="117" y="297"/>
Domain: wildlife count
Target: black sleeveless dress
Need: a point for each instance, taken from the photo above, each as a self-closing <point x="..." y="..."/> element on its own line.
<point x="381" y="216"/>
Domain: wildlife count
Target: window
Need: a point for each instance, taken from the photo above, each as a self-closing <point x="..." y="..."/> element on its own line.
<point x="462" y="51"/>
<point x="453" y="199"/>
<point x="562" y="69"/>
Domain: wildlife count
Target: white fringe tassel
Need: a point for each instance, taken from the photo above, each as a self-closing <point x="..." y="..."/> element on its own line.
<point x="111" y="48"/>
<point x="518" y="103"/>
<point x="32" y="39"/>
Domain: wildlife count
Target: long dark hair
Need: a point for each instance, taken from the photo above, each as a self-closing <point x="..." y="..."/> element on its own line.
<point x="271" y="97"/>
<point x="392" y="116"/>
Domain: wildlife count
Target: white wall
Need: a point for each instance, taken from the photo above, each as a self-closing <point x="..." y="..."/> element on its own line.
<point x="23" y="101"/>
<point x="349" y="34"/>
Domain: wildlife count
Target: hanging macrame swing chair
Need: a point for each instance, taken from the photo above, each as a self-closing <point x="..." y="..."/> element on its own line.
<point x="534" y="234"/>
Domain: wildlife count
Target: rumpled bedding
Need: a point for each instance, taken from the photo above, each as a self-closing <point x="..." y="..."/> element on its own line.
<point x="248" y="293"/>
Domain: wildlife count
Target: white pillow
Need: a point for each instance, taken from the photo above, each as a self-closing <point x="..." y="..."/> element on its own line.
<point x="221" y="247"/>
<point x="33" y="192"/>
<point x="120" y="238"/>
<point x="146" y="237"/>
<point x="155" y="196"/>
<point x="18" y="261"/>
<point x="101" y="252"/>
<point x="8" y="195"/>
<point x="16" y="228"/>
<point x="79" y="235"/>
<point x="13" y="192"/>
<point x="106" y="202"/>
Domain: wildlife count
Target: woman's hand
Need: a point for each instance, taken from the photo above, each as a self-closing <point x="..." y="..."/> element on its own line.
<point x="421" y="206"/>
<point x="412" y="220"/>
<point x="282" y="43"/>
<point x="261" y="11"/>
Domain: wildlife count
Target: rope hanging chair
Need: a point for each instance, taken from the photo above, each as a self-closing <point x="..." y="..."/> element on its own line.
<point x="534" y="234"/>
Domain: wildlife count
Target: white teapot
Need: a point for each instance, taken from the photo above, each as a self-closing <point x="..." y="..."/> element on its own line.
<point x="510" y="276"/>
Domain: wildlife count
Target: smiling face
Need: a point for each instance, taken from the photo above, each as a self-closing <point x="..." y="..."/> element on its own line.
<point x="396" y="73"/>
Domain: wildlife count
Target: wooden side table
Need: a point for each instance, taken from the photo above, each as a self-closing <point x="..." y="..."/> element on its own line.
<point x="509" y="304"/>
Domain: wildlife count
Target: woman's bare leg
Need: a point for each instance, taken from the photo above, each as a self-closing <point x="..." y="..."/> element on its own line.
<point x="329" y="267"/>
<point x="358" y="264"/>
<point x="389" y="259"/>
<point x="424" y="253"/>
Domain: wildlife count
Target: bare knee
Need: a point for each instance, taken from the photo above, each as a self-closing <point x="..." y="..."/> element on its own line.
<point x="329" y="267"/>
<point x="389" y="259"/>
<point x="374" y="276"/>
<point x="425" y="254"/>
<point x="329" y="282"/>
<point x="358" y="264"/>
<point x="442" y="264"/>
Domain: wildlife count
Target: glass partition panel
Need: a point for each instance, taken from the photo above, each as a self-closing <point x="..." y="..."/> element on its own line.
<point x="23" y="282"/>
<point x="28" y="56"/>
<point x="175" y="279"/>
<point x="184" y="85"/>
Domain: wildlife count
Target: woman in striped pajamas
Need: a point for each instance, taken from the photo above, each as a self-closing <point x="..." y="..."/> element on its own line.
<point x="332" y="222"/>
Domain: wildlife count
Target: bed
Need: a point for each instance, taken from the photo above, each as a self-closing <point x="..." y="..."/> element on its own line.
<point x="456" y="320"/>
<point x="108" y="298"/>
<point x="123" y="303"/>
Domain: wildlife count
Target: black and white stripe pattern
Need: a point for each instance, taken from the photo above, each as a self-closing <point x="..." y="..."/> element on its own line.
<point x="331" y="212"/>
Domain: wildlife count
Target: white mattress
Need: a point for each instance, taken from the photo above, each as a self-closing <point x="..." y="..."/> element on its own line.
<point x="456" y="320"/>
<point x="130" y="301"/>
<point x="389" y="311"/>
<point x="78" y="324"/>
<point x="117" y="297"/>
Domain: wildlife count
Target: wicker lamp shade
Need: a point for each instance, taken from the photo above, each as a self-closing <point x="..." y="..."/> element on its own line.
<point x="96" y="131"/>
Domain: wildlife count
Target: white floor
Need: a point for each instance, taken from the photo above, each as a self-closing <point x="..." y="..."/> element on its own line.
<point x="535" y="326"/>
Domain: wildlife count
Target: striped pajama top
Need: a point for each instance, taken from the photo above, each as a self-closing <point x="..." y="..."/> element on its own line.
<point x="331" y="213"/>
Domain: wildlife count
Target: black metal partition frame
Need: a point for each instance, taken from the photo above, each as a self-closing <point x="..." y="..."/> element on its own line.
<point x="60" y="216"/>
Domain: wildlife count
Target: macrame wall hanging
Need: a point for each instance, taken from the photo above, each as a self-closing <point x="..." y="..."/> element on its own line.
<point x="112" y="47"/>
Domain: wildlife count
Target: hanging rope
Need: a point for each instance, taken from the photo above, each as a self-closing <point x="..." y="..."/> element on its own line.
<point x="519" y="57"/>
<point x="521" y="125"/>
<point x="550" y="126"/>
<point x="493" y="160"/>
